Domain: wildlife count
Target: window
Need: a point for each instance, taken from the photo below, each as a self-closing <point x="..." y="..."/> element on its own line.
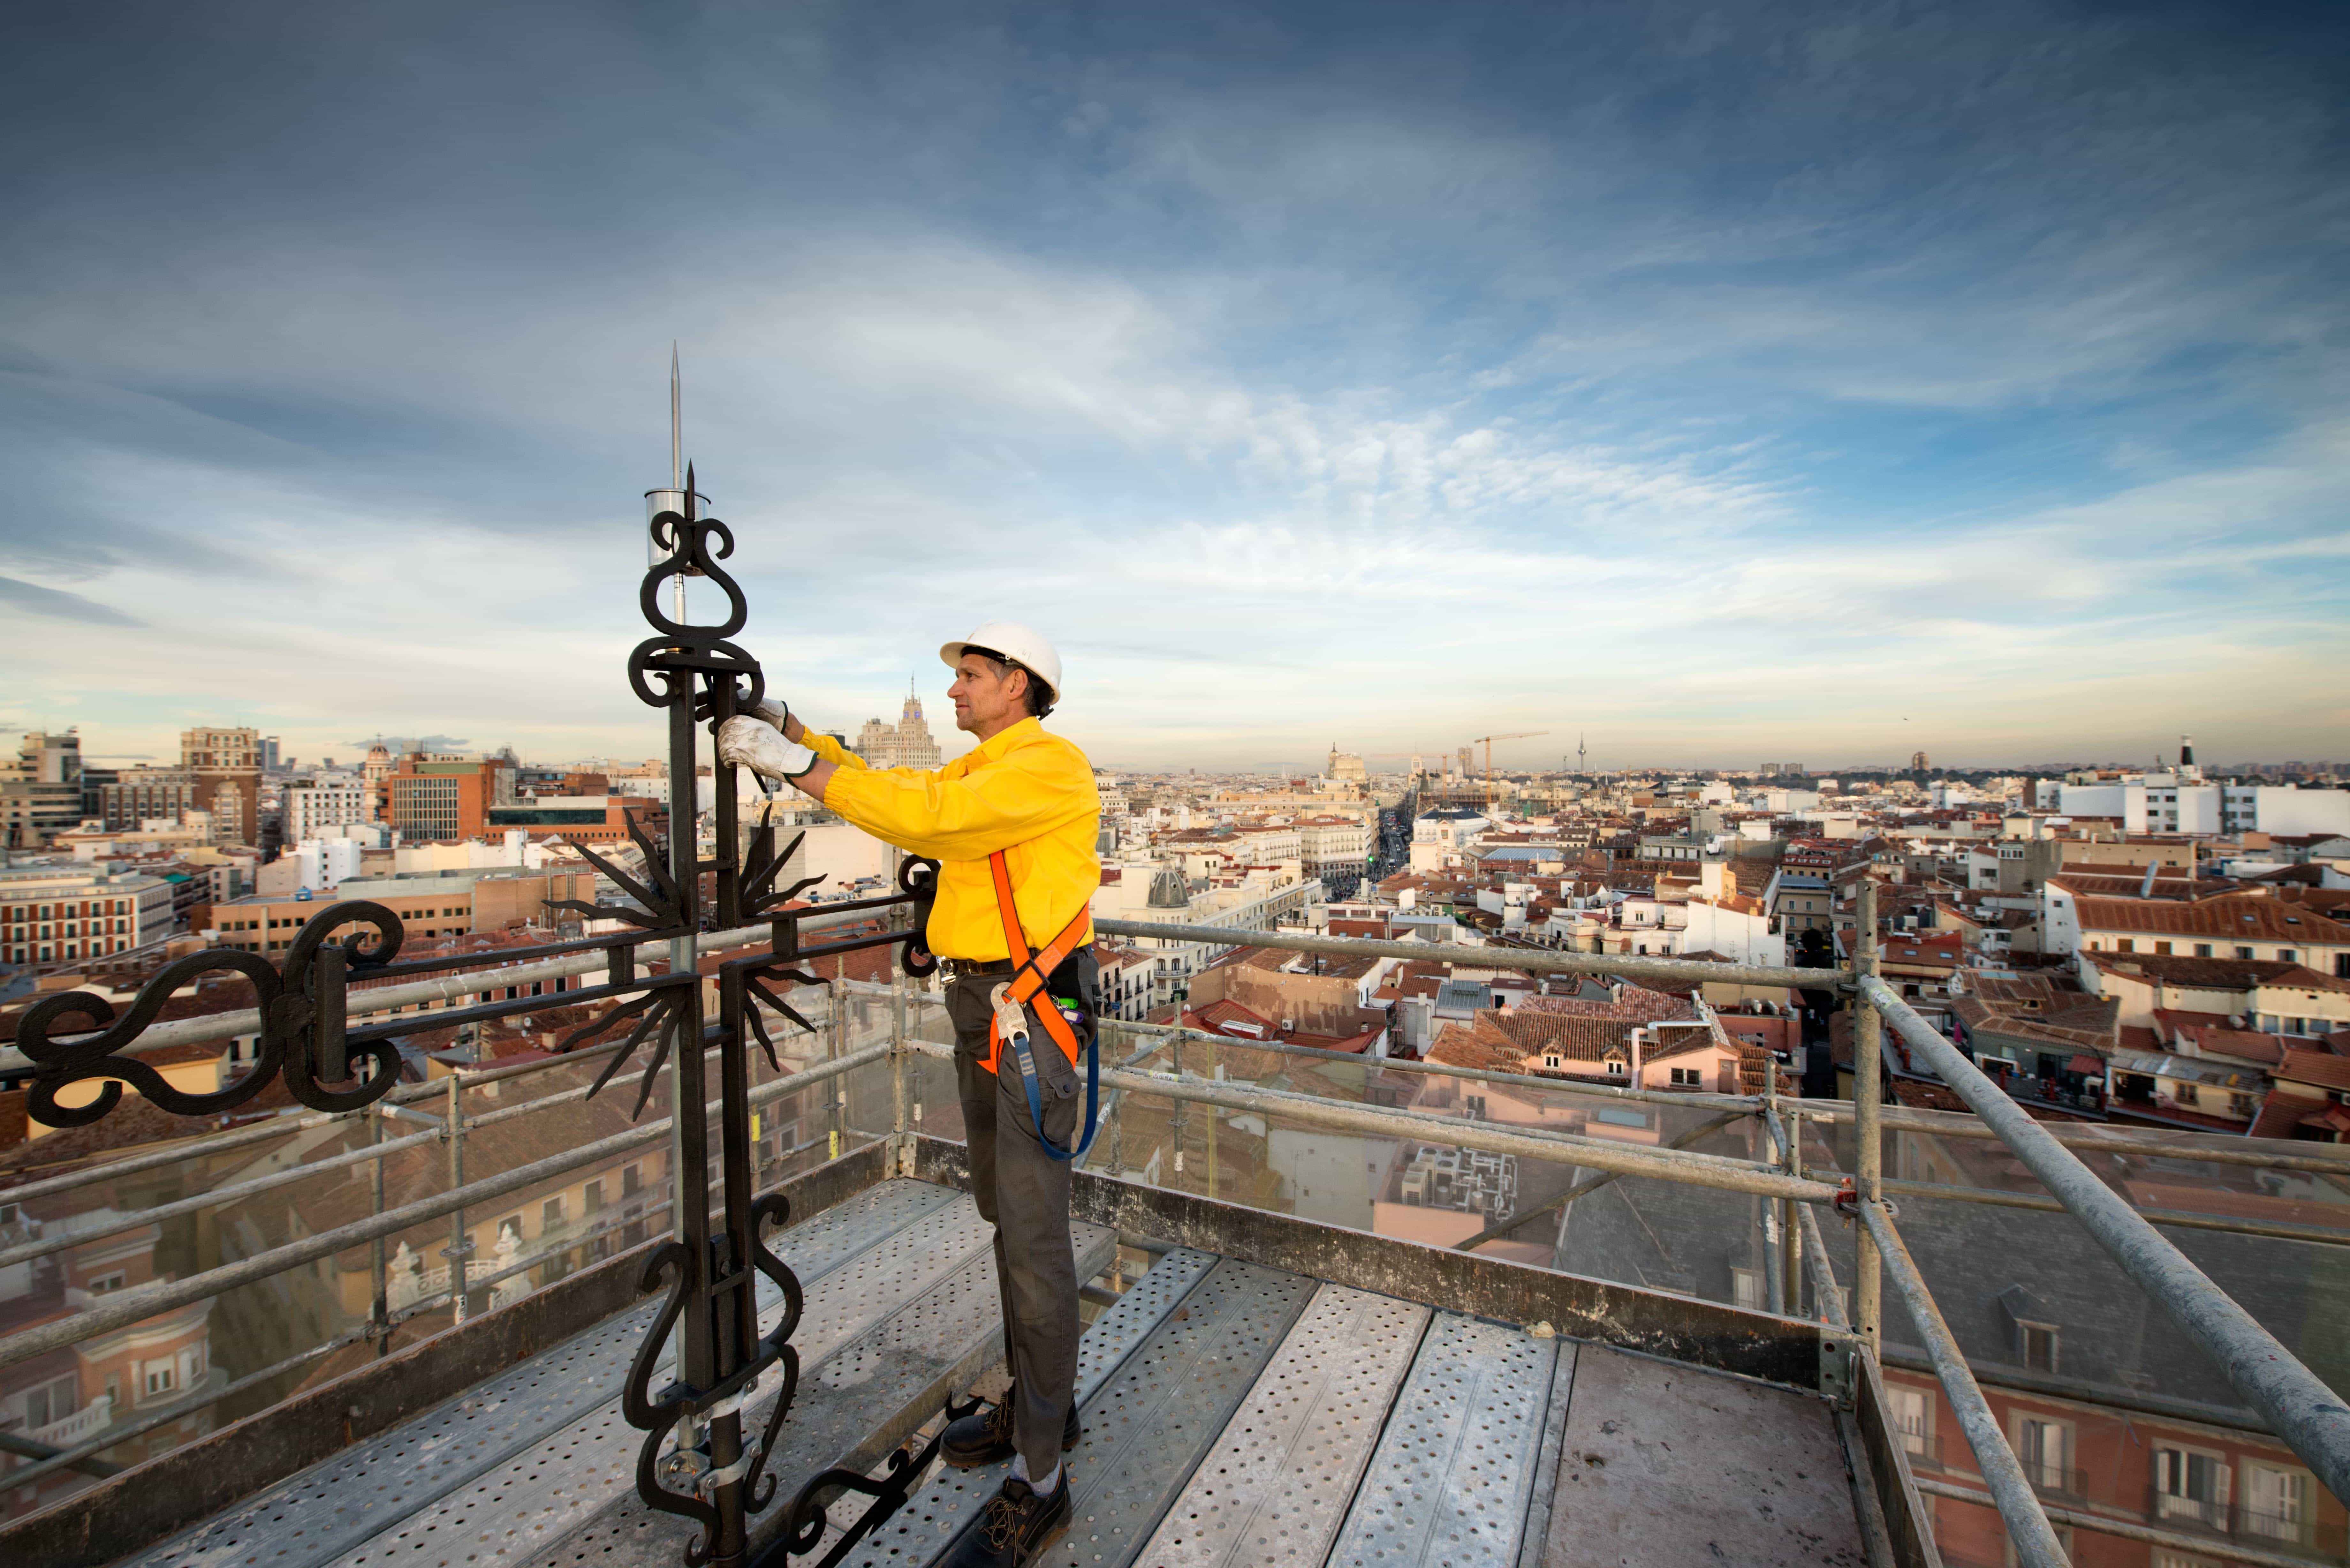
<point x="630" y="1182"/>
<point x="161" y="1378"/>
<point x="2185" y="1094"/>
<point x="2244" y="952"/>
<point x="1686" y="1078"/>
<point x="1746" y="1290"/>
<point x="2277" y="1503"/>
<point x="2126" y="946"/>
<point x="2189" y="1484"/>
<point x="1913" y="1417"/>
<point x="2038" y="1347"/>
<point x="105" y="1282"/>
<point x="2044" y="1445"/>
<point x="50" y="1402"/>
<point x="1616" y="1066"/>
<point x="2202" y="949"/>
<point x="2288" y="955"/>
<point x="550" y="1213"/>
<point x="1475" y="1104"/>
<point x="2162" y="949"/>
<point x="591" y="1197"/>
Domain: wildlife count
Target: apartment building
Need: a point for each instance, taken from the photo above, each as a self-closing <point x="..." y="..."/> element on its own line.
<point x="61" y="914"/>
<point x="2231" y="926"/>
<point x="315" y="806"/>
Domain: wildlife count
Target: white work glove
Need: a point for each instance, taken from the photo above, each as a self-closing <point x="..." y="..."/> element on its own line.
<point x="773" y="709"/>
<point x="746" y="742"/>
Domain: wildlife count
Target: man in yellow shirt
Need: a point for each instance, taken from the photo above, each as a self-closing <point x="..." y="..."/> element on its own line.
<point x="1025" y="800"/>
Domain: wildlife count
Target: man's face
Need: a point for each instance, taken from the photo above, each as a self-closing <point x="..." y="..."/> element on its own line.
<point x="988" y="696"/>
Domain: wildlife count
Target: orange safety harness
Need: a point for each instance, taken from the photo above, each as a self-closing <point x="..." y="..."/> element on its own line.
<point x="1031" y="973"/>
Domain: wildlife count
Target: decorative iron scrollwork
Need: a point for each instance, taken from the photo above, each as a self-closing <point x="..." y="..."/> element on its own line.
<point x="60" y="1063"/>
<point x="711" y="1273"/>
<point x="905" y="1465"/>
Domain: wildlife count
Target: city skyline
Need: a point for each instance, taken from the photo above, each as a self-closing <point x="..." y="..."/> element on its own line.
<point x="1808" y="382"/>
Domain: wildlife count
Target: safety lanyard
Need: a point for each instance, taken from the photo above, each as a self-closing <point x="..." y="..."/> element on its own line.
<point x="1009" y="1026"/>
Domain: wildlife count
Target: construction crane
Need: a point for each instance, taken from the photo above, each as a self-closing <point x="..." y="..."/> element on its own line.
<point x="1487" y="741"/>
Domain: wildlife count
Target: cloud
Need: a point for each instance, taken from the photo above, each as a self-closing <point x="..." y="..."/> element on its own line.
<point x="1664" y="367"/>
<point x="56" y="604"/>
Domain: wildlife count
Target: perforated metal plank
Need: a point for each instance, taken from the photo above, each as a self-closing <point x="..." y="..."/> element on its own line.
<point x="944" y="1505"/>
<point x="851" y="1409"/>
<point x="1278" y="1480"/>
<point x="1448" y="1482"/>
<point x="526" y="1504"/>
<point x="1149" y="1426"/>
<point x="340" y="1501"/>
<point x="1666" y="1462"/>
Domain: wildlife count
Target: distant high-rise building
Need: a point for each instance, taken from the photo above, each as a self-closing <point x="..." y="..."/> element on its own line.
<point x="134" y="795"/>
<point x="372" y="773"/>
<point x="227" y="768"/>
<point x="907" y="743"/>
<point x="40" y="791"/>
<point x="1919" y="761"/>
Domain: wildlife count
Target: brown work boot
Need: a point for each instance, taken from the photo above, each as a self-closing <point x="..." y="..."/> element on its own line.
<point x="1017" y="1527"/>
<point x="984" y="1437"/>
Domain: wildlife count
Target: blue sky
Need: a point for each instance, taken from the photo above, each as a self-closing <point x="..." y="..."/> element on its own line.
<point x="1817" y="382"/>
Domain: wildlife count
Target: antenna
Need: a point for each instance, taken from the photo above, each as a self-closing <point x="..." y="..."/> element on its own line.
<point x="676" y="445"/>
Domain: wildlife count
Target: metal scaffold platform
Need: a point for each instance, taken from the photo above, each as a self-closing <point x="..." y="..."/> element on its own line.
<point x="1234" y="1413"/>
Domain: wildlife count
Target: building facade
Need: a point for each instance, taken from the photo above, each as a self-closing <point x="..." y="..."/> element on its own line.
<point x="63" y="914"/>
<point x="226" y="768"/>
<point x="908" y="744"/>
<point x="440" y="795"/>
<point x="40" y="790"/>
<point x="315" y="806"/>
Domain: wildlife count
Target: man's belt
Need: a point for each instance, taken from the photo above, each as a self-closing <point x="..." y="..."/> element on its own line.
<point x="956" y="968"/>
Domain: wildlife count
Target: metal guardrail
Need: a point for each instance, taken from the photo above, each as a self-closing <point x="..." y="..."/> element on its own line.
<point x="452" y="987"/>
<point x="2296" y="1403"/>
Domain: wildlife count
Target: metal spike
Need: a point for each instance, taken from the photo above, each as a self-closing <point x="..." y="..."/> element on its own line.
<point x="676" y="443"/>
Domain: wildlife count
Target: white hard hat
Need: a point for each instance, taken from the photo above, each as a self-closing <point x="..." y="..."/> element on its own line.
<point x="1015" y="642"/>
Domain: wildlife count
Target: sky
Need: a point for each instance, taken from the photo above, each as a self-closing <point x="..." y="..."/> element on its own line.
<point x="1714" y="383"/>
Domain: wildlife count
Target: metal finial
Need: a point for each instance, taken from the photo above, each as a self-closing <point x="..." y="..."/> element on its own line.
<point x="675" y="441"/>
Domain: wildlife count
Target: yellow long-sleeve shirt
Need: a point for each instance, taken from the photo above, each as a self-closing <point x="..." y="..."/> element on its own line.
<point x="1023" y="791"/>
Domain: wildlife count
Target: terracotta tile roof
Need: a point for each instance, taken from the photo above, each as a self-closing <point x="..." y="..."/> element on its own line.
<point x="2232" y="916"/>
<point x="2321" y="1068"/>
<point x="1638" y="1003"/>
<point x="2201" y="973"/>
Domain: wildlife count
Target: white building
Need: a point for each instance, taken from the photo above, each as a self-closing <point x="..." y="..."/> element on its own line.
<point x="313" y="805"/>
<point x="2171" y="803"/>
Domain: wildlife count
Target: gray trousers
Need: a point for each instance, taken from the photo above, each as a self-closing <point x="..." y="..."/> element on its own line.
<point x="1025" y="1193"/>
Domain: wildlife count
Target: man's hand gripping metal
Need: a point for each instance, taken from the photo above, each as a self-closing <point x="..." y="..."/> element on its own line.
<point x="755" y="740"/>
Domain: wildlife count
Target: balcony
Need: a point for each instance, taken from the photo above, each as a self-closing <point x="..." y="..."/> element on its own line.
<point x="2296" y="1532"/>
<point x="79" y="1428"/>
